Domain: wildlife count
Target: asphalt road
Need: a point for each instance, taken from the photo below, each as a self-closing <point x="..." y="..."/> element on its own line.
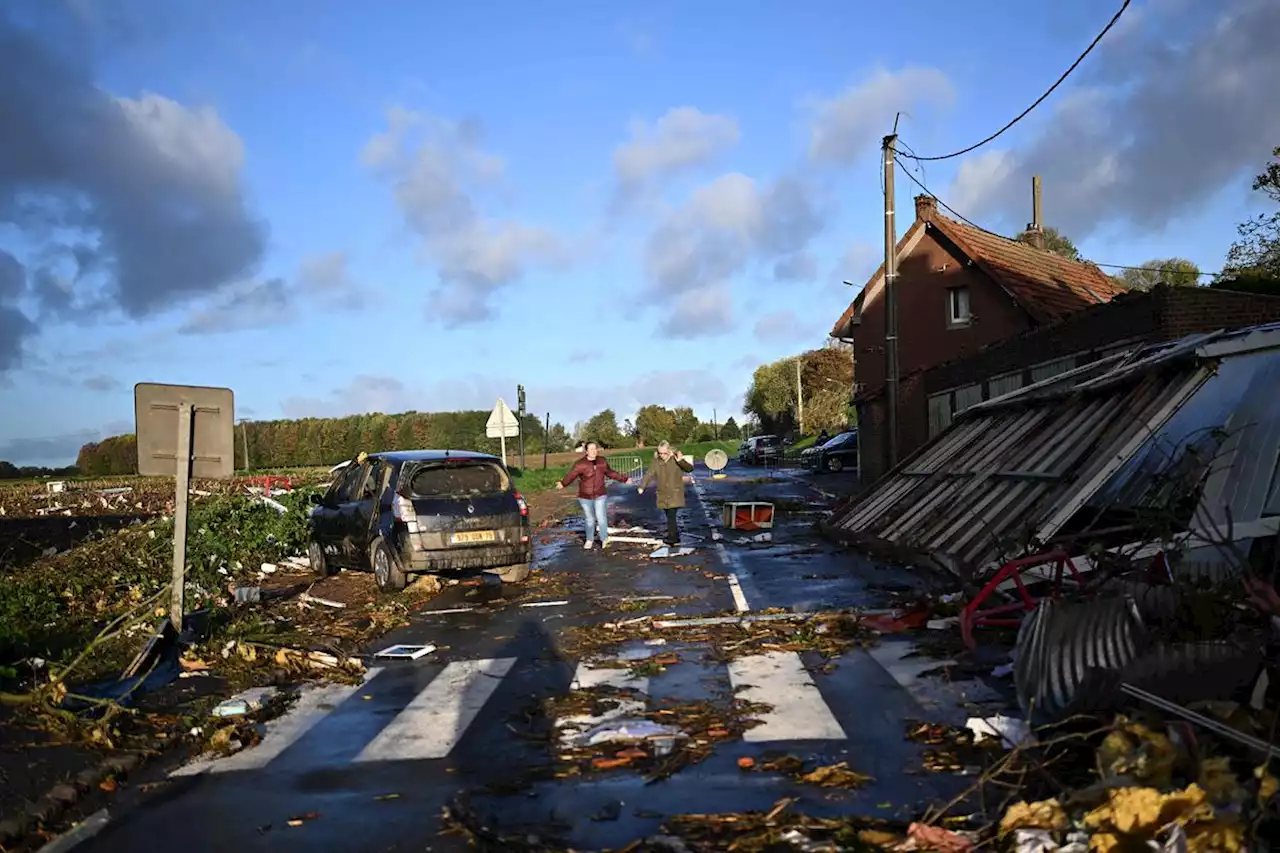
<point x="429" y="729"/>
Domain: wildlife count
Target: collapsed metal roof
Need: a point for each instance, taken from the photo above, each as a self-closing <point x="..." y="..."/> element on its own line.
<point x="1014" y="470"/>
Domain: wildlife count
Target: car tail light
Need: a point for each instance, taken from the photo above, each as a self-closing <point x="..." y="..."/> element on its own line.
<point x="524" y="507"/>
<point x="403" y="509"/>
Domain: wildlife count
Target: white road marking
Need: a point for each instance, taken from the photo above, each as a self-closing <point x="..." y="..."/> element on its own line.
<point x="432" y="724"/>
<point x="587" y="677"/>
<point x="313" y="705"/>
<point x="780" y="679"/>
<point x="907" y="671"/>
<point x="738" y="578"/>
<point x="81" y="832"/>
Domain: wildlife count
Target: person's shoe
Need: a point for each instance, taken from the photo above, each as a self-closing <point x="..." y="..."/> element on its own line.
<point x="604" y="543"/>
<point x="588" y="545"/>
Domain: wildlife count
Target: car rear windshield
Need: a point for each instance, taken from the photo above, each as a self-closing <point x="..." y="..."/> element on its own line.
<point x="768" y="441"/>
<point x="457" y="480"/>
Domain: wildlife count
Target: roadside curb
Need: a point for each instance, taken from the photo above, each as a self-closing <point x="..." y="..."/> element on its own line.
<point x="64" y="795"/>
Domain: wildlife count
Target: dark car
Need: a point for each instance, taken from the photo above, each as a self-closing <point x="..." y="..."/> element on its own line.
<point x="760" y="449"/>
<point x="837" y="454"/>
<point x="420" y="511"/>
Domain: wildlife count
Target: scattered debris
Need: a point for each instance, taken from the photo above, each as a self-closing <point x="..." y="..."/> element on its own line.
<point x="405" y="652"/>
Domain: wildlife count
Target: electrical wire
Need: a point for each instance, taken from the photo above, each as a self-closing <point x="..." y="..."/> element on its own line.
<point x="958" y="215"/>
<point x="1020" y="116"/>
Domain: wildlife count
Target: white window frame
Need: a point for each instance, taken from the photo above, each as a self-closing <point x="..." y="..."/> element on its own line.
<point x="959" y="309"/>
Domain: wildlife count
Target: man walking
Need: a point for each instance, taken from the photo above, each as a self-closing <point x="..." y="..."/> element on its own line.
<point x="668" y="469"/>
<point x="591" y="471"/>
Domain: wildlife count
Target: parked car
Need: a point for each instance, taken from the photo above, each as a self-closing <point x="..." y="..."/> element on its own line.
<point x="836" y="455"/>
<point x="421" y="511"/>
<point x="759" y="449"/>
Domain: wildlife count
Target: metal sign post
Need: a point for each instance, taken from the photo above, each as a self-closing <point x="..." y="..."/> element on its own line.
<point x="502" y="424"/>
<point x="520" y="410"/>
<point x="183" y="431"/>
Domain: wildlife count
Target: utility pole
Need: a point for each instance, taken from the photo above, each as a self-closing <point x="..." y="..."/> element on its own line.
<point x="520" y="420"/>
<point x="715" y="425"/>
<point x="244" y="434"/>
<point x="891" y="297"/>
<point x="546" y="439"/>
<point x="799" y="399"/>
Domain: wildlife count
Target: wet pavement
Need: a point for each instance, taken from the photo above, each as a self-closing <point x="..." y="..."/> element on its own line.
<point x="369" y="767"/>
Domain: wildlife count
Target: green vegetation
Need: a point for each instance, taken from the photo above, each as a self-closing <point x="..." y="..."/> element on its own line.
<point x="1255" y="256"/>
<point x="530" y="481"/>
<point x="1178" y="272"/>
<point x="826" y="379"/>
<point x="1054" y="241"/>
<point x="52" y="608"/>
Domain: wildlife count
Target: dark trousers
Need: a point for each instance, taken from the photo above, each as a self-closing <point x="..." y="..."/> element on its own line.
<point x="673" y="527"/>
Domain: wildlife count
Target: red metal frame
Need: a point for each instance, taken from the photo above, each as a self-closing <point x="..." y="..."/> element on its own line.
<point x="268" y="482"/>
<point x="1001" y="615"/>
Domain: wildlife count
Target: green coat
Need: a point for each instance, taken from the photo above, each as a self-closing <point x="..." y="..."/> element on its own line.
<point x="670" y="477"/>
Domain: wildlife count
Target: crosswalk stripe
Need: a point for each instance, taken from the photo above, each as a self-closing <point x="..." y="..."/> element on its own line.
<point x="588" y="677"/>
<point x="313" y="705"/>
<point x="779" y="679"/>
<point x="437" y="718"/>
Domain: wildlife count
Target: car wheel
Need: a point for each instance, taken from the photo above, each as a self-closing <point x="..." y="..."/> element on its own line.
<point x="835" y="465"/>
<point x="319" y="560"/>
<point x="514" y="574"/>
<point x="386" y="569"/>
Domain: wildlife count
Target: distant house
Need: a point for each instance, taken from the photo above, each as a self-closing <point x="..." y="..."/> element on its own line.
<point x="960" y="289"/>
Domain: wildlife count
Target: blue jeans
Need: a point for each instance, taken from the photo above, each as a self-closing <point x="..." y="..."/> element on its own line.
<point x="596" y="512"/>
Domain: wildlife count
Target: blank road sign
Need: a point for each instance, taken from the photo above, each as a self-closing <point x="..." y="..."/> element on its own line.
<point x="212" y="439"/>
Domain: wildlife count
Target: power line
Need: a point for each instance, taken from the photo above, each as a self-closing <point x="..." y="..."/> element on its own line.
<point x="1020" y="116"/>
<point x="958" y="215"/>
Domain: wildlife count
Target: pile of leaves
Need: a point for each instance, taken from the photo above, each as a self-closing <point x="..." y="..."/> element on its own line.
<point x="829" y="634"/>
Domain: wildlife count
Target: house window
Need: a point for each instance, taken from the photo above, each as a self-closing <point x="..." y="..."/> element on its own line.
<point x="969" y="395"/>
<point x="958" y="306"/>
<point x="1001" y="385"/>
<point x="939" y="413"/>
<point x="1052" y="368"/>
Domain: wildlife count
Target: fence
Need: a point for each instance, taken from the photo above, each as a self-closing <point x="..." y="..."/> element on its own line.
<point x="628" y="463"/>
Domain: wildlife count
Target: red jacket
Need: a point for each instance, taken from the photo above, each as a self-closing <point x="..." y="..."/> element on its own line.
<point x="590" y="476"/>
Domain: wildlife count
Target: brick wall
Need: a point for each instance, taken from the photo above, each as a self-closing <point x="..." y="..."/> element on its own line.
<point x="1196" y="310"/>
<point x="1132" y="316"/>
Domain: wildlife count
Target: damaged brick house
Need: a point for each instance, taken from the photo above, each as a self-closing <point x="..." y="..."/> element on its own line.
<point x="960" y="289"/>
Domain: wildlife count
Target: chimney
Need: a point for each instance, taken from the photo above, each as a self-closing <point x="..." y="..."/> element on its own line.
<point x="926" y="207"/>
<point x="1035" y="228"/>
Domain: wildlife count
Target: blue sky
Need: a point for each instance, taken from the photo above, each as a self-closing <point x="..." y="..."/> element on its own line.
<point x="418" y="205"/>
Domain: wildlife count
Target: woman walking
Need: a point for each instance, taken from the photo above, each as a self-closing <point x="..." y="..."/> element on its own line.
<point x="668" y="470"/>
<point x="591" y="471"/>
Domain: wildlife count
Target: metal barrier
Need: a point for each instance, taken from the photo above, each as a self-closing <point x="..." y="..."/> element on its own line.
<point x="628" y="463"/>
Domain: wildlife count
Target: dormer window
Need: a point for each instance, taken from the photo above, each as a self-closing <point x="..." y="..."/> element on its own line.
<point x="958" y="306"/>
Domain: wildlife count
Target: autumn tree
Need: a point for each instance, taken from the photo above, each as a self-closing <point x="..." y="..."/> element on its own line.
<point x="1256" y="254"/>
<point x="826" y="381"/>
<point x="1054" y="241"/>
<point x="686" y="424"/>
<point x="1178" y="272"/>
<point x="655" y="424"/>
<point x="603" y="429"/>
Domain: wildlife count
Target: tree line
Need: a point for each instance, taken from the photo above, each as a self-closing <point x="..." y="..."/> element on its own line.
<point x="777" y="403"/>
<point x="9" y="471"/>
<point x="311" y="442"/>
<point x="326" y="441"/>
<point x="653" y="424"/>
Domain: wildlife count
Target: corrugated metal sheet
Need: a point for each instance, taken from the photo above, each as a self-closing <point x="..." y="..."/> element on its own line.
<point x="1018" y="468"/>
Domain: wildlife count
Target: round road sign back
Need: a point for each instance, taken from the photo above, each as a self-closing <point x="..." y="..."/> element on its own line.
<point x="717" y="459"/>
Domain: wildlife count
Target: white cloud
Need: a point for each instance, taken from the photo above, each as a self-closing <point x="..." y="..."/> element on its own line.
<point x="857" y="263"/>
<point x="1178" y="106"/>
<point x="850" y="126"/>
<point x="724" y="228"/>
<point x="434" y="167"/>
<point x="683" y="138"/>
<point x="780" y="326"/>
<point x="251" y="305"/>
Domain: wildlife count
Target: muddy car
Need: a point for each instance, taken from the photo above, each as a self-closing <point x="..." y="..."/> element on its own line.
<point x="421" y="511"/>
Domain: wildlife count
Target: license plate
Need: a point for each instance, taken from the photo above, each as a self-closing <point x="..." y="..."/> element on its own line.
<point x="473" y="536"/>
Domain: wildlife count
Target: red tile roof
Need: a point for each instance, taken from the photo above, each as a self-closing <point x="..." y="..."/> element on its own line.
<point x="1047" y="286"/>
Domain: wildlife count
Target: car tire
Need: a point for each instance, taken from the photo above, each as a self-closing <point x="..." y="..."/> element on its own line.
<point x="835" y="465"/>
<point x="319" y="560"/>
<point x="514" y="574"/>
<point x="387" y="572"/>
